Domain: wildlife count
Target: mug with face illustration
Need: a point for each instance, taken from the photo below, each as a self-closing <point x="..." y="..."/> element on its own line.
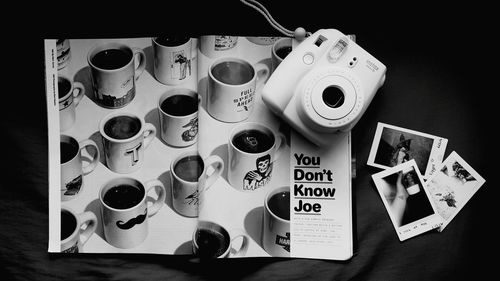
<point x="252" y="151"/>
<point x="178" y="113"/>
<point x="114" y="72"/>
<point x="72" y="168"/>
<point x="213" y="241"/>
<point x="70" y="94"/>
<point x="276" y="222"/>
<point x="125" y="136"/>
<point x="190" y="175"/>
<point x="76" y="229"/>
<point x="214" y="46"/>
<point x="172" y="59"/>
<point x="125" y="211"/>
<point x="232" y="86"/>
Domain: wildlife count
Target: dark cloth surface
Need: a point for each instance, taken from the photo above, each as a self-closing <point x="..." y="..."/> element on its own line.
<point x="436" y="83"/>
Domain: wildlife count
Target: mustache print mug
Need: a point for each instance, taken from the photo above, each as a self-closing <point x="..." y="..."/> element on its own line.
<point x="125" y="211"/>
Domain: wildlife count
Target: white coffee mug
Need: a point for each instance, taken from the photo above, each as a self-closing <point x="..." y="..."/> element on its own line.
<point x="190" y="176"/>
<point x="76" y="229"/>
<point x="72" y="169"/>
<point x="125" y="137"/>
<point x="276" y="222"/>
<point x="63" y="53"/>
<point x="172" y="59"/>
<point x="232" y="86"/>
<point x="281" y="48"/>
<point x="125" y="210"/>
<point x="70" y="94"/>
<point x="114" y="72"/>
<point x="211" y="240"/>
<point x="253" y="149"/>
<point x="214" y="46"/>
<point x="178" y="113"/>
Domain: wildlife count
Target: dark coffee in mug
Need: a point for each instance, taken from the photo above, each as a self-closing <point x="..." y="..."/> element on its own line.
<point x="63" y="86"/>
<point x="283" y="51"/>
<point x="180" y="105"/>
<point x="279" y="205"/>
<point x="189" y="168"/>
<point x="171" y="41"/>
<point x="233" y="72"/>
<point x="68" y="151"/>
<point x="111" y="59"/>
<point x="68" y="224"/>
<point x="253" y="141"/>
<point x="123" y="196"/>
<point x="211" y="243"/>
<point x="122" y="127"/>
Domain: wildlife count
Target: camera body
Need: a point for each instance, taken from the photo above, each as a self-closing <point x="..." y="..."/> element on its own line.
<point x="324" y="85"/>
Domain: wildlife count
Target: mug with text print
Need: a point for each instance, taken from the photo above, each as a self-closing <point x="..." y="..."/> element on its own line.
<point x="125" y="136"/>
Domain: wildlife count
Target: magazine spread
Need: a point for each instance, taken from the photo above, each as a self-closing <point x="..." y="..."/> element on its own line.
<point x="166" y="147"/>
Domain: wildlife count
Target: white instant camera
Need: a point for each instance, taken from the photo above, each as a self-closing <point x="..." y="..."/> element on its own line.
<point x="324" y="85"/>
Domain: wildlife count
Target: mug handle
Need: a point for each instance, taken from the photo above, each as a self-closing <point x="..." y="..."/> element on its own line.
<point x="88" y="218"/>
<point x="263" y="73"/>
<point x="79" y="95"/>
<point x="235" y="234"/>
<point x="161" y="197"/>
<point x="218" y="165"/>
<point x="280" y="146"/>
<point x="142" y="61"/>
<point x="95" y="158"/>
<point x="149" y="134"/>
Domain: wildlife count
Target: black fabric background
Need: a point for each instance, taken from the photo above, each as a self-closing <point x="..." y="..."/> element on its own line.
<point x="439" y="81"/>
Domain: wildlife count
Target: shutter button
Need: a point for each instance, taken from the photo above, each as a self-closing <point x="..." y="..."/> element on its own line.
<point x="308" y="58"/>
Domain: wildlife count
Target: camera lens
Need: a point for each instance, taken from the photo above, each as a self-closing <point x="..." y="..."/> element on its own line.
<point x="333" y="97"/>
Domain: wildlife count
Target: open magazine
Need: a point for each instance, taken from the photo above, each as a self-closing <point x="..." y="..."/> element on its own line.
<point x="164" y="146"/>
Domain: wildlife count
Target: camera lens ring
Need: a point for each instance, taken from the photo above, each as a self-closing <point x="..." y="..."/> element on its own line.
<point x="314" y="112"/>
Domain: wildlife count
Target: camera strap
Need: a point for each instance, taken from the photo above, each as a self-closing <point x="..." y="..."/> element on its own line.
<point x="299" y="33"/>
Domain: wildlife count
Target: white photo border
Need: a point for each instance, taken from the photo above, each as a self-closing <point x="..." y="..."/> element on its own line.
<point x="436" y="155"/>
<point x="419" y="226"/>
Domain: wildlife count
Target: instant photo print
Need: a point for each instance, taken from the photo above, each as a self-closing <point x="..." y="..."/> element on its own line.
<point x="408" y="205"/>
<point x="393" y="145"/>
<point x="452" y="186"/>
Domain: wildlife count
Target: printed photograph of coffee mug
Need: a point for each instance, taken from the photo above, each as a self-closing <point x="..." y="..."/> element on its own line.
<point x="190" y="175"/>
<point x="125" y="211"/>
<point x="63" y="53"/>
<point x="114" y="72"/>
<point x="72" y="169"/>
<point x="211" y="240"/>
<point x="214" y="46"/>
<point x="125" y="136"/>
<point x="252" y="151"/>
<point x="76" y="229"/>
<point x="178" y="114"/>
<point x="276" y="228"/>
<point x="70" y="94"/>
<point x="279" y="51"/>
<point x="172" y="59"/>
<point x="232" y="84"/>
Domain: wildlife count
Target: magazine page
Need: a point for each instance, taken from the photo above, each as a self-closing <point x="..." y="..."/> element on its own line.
<point x="266" y="201"/>
<point x="111" y="177"/>
<point x="166" y="147"/>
